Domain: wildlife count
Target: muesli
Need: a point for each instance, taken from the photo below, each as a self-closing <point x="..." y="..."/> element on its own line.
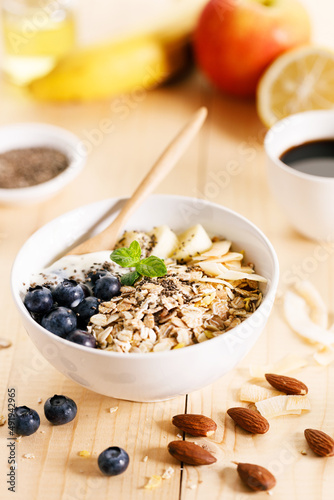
<point x="158" y="292"/>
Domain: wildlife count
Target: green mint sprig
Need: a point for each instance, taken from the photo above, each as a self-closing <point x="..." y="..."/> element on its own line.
<point x="130" y="257"/>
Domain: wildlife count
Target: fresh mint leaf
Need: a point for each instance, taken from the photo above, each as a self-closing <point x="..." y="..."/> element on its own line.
<point x="130" y="257"/>
<point x="135" y="250"/>
<point x="151" y="266"/>
<point x="127" y="257"/>
<point x="128" y="279"/>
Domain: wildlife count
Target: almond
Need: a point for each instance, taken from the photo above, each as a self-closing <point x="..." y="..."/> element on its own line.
<point x="190" y="453"/>
<point x="285" y="384"/>
<point x="196" y="425"/>
<point x="256" y="477"/>
<point x="320" y="442"/>
<point x="249" y="420"/>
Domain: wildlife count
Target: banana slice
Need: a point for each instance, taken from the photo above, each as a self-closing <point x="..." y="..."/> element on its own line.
<point x="192" y="242"/>
<point x="297" y="315"/>
<point x="166" y="241"/>
<point x="143" y="239"/>
<point x="318" y="309"/>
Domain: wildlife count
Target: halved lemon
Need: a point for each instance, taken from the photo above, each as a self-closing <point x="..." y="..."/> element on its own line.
<point x="299" y="80"/>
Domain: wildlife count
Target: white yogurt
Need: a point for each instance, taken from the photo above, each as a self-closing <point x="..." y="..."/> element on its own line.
<point x="75" y="267"/>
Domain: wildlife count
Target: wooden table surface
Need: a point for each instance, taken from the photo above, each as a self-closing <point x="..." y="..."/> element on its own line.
<point x="117" y="162"/>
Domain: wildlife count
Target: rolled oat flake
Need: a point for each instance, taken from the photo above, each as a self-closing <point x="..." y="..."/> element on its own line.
<point x="26" y="167"/>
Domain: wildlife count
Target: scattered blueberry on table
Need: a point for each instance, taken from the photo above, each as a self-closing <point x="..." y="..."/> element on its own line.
<point x="60" y="410"/>
<point x="26" y="421"/>
<point x="113" y="461"/>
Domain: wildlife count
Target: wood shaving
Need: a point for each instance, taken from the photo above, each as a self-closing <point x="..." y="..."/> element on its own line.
<point x="3" y="420"/>
<point x="29" y="456"/>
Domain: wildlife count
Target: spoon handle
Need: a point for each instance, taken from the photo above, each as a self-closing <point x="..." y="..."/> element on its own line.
<point x="164" y="164"/>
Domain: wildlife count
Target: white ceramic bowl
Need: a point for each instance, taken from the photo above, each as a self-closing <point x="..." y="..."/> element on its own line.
<point x="151" y="376"/>
<point x="25" y="135"/>
<point x="307" y="200"/>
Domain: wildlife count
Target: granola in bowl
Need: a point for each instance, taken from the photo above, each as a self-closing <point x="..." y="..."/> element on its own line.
<point x="206" y="295"/>
<point x="177" y="310"/>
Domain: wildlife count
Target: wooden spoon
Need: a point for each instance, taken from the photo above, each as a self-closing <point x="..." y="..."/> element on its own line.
<point x="106" y="240"/>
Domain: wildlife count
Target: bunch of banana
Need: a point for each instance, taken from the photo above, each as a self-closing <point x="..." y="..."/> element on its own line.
<point x="136" y="63"/>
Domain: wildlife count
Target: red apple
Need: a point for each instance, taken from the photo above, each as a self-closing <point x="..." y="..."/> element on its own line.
<point x="235" y="40"/>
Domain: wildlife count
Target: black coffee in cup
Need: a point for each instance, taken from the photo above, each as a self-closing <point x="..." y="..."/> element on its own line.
<point x="313" y="157"/>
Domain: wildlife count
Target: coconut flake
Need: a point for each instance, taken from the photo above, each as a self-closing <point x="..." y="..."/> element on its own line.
<point x="283" y="405"/>
<point x="283" y="366"/>
<point x="318" y="309"/>
<point x="297" y="315"/>
<point x="253" y="393"/>
<point x="324" y="356"/>
<point x="217" y="249"/>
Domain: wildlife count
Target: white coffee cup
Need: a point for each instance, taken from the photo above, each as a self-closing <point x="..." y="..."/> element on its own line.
<point x="307" y="200"/>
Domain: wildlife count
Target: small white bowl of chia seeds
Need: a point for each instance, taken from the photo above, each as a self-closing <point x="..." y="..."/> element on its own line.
<point x="36" y="161"/>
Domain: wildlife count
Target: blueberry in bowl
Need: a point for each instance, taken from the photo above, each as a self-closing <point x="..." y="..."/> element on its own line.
<point x="82" y="338"/>
<point x="38" y="300"/>
<point x="68" y="293"/>
<point x="60" y="321"/>
<point x="93" y="276"/>
<point x="86" y="309"/>
<point x="107" y="287"/>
